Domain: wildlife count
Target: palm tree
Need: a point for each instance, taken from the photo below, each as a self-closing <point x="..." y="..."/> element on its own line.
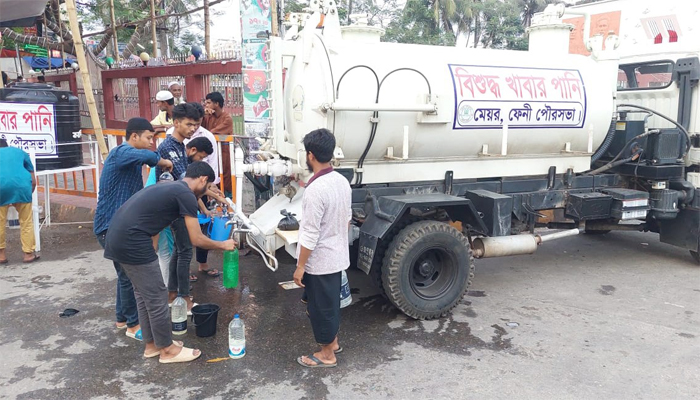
<point x="453" y="16"/>
<point x="528" y="9"/>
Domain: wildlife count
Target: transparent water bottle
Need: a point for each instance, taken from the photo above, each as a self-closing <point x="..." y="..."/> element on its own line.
<point x="236" y="338"/>
<point x="178" y="315"/>
<point x="166" y="176"/>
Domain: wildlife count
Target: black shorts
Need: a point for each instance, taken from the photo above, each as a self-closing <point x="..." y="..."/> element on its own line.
<point x="323" y="295"/>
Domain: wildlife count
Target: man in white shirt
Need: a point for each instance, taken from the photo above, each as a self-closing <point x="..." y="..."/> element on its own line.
<point x="213" y="161"/>
<point x="322" y="252"/>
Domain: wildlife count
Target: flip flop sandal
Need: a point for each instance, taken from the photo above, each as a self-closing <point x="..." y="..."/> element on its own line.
<point x="340" y="350"/>
<point x="138" y="336"/>
<point x="4" y="261"/>
<point x="32" y="260"/>
<point x="119" y="328"/>
<point x="193" y="278"/>
<point x="211" y="272"/>
<point x="319" y="363"/>
<point x="157" y="352"/>
<point x="185" y="355"/>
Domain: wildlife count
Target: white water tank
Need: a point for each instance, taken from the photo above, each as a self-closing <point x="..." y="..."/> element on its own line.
<point x="556" y="109"/>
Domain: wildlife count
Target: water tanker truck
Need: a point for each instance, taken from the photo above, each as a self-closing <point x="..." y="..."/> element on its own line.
<point x="459" y="154"/>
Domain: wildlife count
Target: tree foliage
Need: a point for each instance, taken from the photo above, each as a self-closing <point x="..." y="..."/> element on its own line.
<point x="502" y="26"/>
<point x="416" y="24"/>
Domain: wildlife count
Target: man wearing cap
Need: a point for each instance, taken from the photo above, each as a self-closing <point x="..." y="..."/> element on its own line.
<point x="164" y="119"/>
<point x="176" y="89"/>
<point x="120" y="179"/>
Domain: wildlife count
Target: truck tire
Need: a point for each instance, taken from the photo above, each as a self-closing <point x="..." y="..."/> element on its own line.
<point x="380" y="252"/>
<point x="696" y="256"/>
<point x="427" y="269"/>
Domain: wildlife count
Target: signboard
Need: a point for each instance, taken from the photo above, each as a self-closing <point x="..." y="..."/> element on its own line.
<point x="255" y="22"/>
<point x="254" y="55"/>
<point x="255" y="18"/>
<point x="29" y="126"/>
<point x="255" y="95"/>
<point x="490" y="97"/>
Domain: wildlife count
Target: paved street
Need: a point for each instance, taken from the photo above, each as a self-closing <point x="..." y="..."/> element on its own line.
<point x="614" y="316"/>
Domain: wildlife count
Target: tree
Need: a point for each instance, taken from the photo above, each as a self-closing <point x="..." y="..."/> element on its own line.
<point x="501" y="25"/>
<point x="530" y="7"/>
<point x="416" y="24"/>
<point x="454" y="15"/>
<point x="184" y="42"/>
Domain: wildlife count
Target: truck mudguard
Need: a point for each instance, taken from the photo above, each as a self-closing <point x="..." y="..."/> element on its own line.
<point x="385" y="212"/>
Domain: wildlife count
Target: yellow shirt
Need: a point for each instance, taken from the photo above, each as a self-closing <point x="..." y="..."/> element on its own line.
<point x="162" y="119"/>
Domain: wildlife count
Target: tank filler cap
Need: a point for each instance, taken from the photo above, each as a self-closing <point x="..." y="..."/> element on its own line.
<point x="361" y="31"/>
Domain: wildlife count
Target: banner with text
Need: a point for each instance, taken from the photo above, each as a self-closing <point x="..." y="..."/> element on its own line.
<point x="29" y="126"/>
<point x="489" y="97"/>
<point x="256" y="25"/>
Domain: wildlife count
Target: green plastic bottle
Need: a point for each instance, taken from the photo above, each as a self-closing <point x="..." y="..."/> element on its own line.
<point x="231" y="269"/>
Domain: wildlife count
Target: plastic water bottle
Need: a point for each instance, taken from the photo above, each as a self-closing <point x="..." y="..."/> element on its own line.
<point x="236" y="338"/>
<point x="166" y="176"/>
<point x="230" y="269"/>
<point x="345" y="295"/>
<point x="178" y="315"/>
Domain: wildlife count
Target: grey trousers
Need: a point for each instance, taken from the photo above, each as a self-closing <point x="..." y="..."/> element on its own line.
<point x="152" y="302"/>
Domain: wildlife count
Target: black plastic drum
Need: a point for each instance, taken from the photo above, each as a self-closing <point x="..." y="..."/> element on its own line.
<point x="65" y="122"/>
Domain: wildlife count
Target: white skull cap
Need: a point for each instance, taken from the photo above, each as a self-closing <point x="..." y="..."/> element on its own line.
<point x="164" y="95"/>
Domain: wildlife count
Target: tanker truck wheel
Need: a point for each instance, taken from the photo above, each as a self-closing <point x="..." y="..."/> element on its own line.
<point x="427" y="269"/>
<point x="696" y="256"/>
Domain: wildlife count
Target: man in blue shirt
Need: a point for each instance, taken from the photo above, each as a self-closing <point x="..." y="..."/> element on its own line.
<point x="17" y="183"/>
<point x="121" y="178"/>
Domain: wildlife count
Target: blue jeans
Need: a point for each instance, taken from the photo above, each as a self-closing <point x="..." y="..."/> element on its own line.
<point x="126" y="310"/>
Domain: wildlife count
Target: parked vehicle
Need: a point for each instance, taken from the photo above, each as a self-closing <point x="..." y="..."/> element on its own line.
<point x="459" y="154"/>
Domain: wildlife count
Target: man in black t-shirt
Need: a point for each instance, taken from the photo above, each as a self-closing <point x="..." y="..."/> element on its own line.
<point x="129" y="242"/>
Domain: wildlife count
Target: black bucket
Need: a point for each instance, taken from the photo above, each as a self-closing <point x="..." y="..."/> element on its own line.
<point x="204" y="319"/>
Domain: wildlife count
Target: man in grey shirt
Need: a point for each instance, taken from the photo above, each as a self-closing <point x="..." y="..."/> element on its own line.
<point x="322" y="252"/>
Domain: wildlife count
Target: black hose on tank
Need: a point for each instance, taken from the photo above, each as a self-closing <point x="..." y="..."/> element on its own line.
<point x="606" y="143"/>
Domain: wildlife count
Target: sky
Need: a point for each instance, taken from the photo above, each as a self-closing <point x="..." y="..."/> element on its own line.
<point x="227" y="25"/>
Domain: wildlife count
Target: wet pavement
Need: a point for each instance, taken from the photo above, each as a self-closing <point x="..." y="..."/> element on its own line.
<point x="614" y="316"/>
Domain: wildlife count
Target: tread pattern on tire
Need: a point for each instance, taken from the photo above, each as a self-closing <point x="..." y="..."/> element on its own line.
<point x="382" y="246"/>
<point x="396" y="251"/>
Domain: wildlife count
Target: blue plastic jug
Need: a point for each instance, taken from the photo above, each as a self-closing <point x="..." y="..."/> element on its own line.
<point x="218" y="229"/>
<point x="203" y="219"/>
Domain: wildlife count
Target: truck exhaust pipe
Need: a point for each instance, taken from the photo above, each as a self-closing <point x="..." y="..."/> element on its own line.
<point x="502" y="246"/>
